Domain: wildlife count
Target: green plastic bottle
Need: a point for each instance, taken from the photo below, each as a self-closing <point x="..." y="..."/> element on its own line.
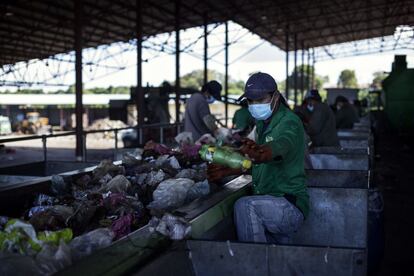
<point x="224" y="156"/>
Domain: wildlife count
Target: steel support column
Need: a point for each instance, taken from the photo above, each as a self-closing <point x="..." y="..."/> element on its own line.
<point x="295" y="71"/>
<point x="78" y="80"/>
<point x="226" y="72"/>
<point x="177" y="60"/>
<point x="308" y="85"/>
<point x="302" y="73"/>
<point x="313" y="65"/>
<point x="287" y="64"/>
<point x="139" y="92"/>
<point x="205" y="48"/>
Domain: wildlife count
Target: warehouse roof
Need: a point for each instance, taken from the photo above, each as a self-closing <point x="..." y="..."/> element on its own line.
<point x="42" y="28"/>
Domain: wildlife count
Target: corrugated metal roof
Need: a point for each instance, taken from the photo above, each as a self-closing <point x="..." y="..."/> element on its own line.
<point x="42" y="28"/>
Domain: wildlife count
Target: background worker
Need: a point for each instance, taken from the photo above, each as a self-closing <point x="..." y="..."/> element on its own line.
<point x="280" y="202"/>
<point x="321" y="125"/>
<point x="198" y="119"/>
<point x="242" y="119"/>
<point x="346" y="114"/>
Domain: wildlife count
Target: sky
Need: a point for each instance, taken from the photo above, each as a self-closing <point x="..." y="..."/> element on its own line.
<point x="243" y="60"/>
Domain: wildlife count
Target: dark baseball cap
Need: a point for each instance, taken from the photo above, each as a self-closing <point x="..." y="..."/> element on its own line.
<point x="313" y="94"/>
<point x="214" y="88"/>
<point x="259" y="85"/>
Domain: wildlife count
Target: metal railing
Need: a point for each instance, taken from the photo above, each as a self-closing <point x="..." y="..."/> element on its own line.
<point x="139" y="130"/>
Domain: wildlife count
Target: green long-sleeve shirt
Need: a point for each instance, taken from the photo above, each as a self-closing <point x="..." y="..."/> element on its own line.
<point x="285" y="175"/>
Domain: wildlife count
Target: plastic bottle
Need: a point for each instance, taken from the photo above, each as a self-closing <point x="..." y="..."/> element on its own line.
<point x="224" y="156"/>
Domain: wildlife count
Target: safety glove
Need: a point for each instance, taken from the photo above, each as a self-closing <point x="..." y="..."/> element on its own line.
<point x="256" y="153"/>
<point x="215" y="172"/>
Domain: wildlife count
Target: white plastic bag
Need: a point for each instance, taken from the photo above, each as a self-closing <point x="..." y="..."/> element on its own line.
<point x="171" y="193"/>
<point x="88" y="243"/>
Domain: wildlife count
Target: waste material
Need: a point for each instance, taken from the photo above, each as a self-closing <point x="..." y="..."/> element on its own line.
<point x="175" y="228"/>
<point x="88" y="243"/>
<point x="59" y="187"/>
<point x="117" y="184"/>
<point x="171" y="193"/>
<point x="198" y="190"/>
<point x="87" y="212"/>
<point x="185" y="137"/>
<point x="225" y="156"/>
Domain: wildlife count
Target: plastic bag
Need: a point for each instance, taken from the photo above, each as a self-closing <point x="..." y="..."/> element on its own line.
<point x="199" y="189"/>
<point x="44" y="200"/>
<point x="53" y="258"/>
<point x="141" y="178"/>
<point x="224" y="135"/>
<point x="53" y="218"/>
<point x="196" y="175"/>
<point x="59" y="187"/>
<point x="206" y="139"/>
<point x="171" y="193"/>
<point x="19" y="237"/>
<point x="55" y="237"/>
<point x="174" y="163"/>
<point x="185" y="137"/>
<point x="90" y="242"/>
<point x="122" y="226"/>
<point x="154" y="178"/>
<point x="37" y="209"/>
<point x="3" y="222"/>
<point x="118" y="184"/>
<point x="105" y="179"/>
<point x="190" y="151"/>
<point x="175" y="228"/>
<point x="130" y="159"/>
<point x="106" y="166"/>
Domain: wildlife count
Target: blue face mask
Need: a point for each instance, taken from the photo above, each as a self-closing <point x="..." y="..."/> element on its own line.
<point x="310" y="107"/>
<point x="261" y="111"/>
<point x="210" y="100"/>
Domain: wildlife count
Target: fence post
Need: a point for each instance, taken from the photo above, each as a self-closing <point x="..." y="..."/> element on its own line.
<point x="161" y="135"/>
<point x="140" y="135"/>
<point x="44" y="139"/>
<point x="116" y="141"/>
<point x="84" y="147"/>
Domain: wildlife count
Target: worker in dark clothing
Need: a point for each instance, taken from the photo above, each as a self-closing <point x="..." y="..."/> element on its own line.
<point x="321" y="126"/>
<point x="198" y="119"/>
<point x="280" y="202"/>
<point x="346" y="115"/>
<point x="242" y="119"/>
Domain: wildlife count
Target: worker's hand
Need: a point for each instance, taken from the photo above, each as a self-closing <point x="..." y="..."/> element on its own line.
<point x="215" y="172"/>
<point x="257" y="153"/>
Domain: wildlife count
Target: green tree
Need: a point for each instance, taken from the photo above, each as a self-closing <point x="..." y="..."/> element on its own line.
<point x="347" y="79"/>
<point x="195" y="80"/>
<point x="319" y="80"/>
<point x="378" y="78"/>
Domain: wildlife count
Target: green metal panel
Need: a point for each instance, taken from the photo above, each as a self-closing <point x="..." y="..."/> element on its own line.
<point x="399" y="98"/>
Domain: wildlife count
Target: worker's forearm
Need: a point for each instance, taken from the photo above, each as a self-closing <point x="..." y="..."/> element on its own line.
<point x="210" y="121"/>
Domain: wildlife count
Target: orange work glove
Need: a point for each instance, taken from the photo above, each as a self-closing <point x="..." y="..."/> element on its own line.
<point x="257" y="153"/>
<point x="217" y="172"/>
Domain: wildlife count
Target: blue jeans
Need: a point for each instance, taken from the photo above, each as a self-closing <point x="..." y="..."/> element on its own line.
<point x="266" y="218"/>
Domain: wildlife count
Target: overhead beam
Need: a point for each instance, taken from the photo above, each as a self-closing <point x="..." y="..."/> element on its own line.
<point x="177" y="59"/>
<point x="78" y="80"/>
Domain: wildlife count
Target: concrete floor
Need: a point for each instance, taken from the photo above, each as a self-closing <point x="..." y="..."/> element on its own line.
<point x="58" y="149"/>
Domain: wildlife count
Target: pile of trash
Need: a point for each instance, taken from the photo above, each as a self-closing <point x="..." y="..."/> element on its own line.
<point x="87" y="212"/>
<point x="105" y="123"/>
